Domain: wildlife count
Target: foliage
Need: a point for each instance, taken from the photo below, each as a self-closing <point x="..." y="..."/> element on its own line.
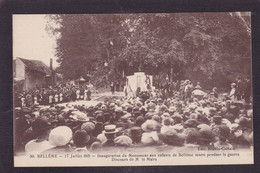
<point x="208" y="47"/>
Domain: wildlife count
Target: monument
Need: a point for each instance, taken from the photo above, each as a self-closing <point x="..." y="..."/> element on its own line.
<point x="139" y="79"/>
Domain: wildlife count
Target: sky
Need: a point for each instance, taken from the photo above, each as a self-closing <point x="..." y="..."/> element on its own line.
<point x="31" y="41"/>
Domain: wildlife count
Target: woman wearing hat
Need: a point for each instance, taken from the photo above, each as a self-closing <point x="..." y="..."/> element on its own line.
<point x="60" y="138"/>
<point x="150" y="135"/>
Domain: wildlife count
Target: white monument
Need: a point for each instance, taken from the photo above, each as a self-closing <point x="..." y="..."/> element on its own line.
<point x="139" y="79"/>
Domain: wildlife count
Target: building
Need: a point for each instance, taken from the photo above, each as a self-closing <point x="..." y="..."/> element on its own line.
<point x="29" y="74"/>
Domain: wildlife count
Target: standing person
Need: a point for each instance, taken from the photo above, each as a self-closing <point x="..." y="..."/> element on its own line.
<point x="61" y="97"/>
<point x="81" y="93"/>
<point x="77" y="94"/>
<point x="23" y="101"/>
<point x="117" y="86"/>
<point x="50" y="98"/>
<point x="112" y="86"/>
<point x="85" y="94"/>
<point x="125" y="90"/>
<point x="215" y="92"/>
<point x="88" y="94"/>
<point x="239" y="89"/>
<point x="247" y="90"/>
<point x="35" y="100"/>
<point x="29" y="100"/>
<point x="186" y="89"/>
<point x="56" y="97"/>
<point x="233" y="91"/>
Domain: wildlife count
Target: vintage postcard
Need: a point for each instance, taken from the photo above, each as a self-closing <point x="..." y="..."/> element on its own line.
<point x="132" y="89"/>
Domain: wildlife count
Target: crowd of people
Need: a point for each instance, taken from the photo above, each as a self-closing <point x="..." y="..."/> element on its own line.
<point x="188" y="118"/>
<point x="52" y="95"/>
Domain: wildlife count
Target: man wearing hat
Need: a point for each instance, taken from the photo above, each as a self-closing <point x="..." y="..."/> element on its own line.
<point x="110" y="132"/>
<point x="136" y="134"/>
<point x="89" y="127"/>
<point x="223" y="134"/>
<point x="206" y="137"/>
<point x="80" y="140"/>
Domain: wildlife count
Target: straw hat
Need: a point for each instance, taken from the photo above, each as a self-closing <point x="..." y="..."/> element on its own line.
<point x="79" y="116"/>
<point x="110" y="129"/>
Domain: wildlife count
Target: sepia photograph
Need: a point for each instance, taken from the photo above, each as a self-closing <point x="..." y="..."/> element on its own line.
<point x="132" y="89"/>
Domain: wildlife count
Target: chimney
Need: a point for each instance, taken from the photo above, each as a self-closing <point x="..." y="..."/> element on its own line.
<point x="51" y="64"/>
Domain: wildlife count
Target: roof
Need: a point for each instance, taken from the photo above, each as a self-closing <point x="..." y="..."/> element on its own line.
<point x="36" y="65"/>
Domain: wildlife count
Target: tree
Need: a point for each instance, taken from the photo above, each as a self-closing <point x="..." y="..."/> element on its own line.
<point x="207" y="47"/>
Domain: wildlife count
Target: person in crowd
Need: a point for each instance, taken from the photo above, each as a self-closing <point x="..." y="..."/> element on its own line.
<point x="109" y="132"/>
<point x="247" y="90"/>
<point x="60" y="138"/>
<point x="148" y="119"/>
<point x="112" y="86"/>
<point x="80" y="139"/>
<point x="233" y="91"/>
<point x="61" y="97"/>
<point x="88" y="94"/>
<point x="239" y="88"/>
<point x="41" y="129"/>
<point x="50" y="98"/>
<point x="77" y="94"/>
<point x="117" y="86"/>
<point x="56" y="97"/>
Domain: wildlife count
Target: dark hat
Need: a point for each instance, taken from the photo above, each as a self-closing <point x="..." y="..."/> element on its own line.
<point x="223" y="131"/>
<point x="243" y="122"/>
<point x="80" y="137"/>
<point x="206" y="135"/>
<point x="135" y="109"/>
<point x="88" y="127"/>
<point x="99" y="118"/>
<point x="139" y="120"/>
<point x="136" y="131"/>
<point x="172" y="138"/>
<point x="129" y="108"/>
<point x="191" y="123"/>
<point x="40" y="124"/>
<point x="137" y="113"/>
<point x="229" y="116"/>
<point x="193" y="136"/>
<point x="217" y="119"/>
